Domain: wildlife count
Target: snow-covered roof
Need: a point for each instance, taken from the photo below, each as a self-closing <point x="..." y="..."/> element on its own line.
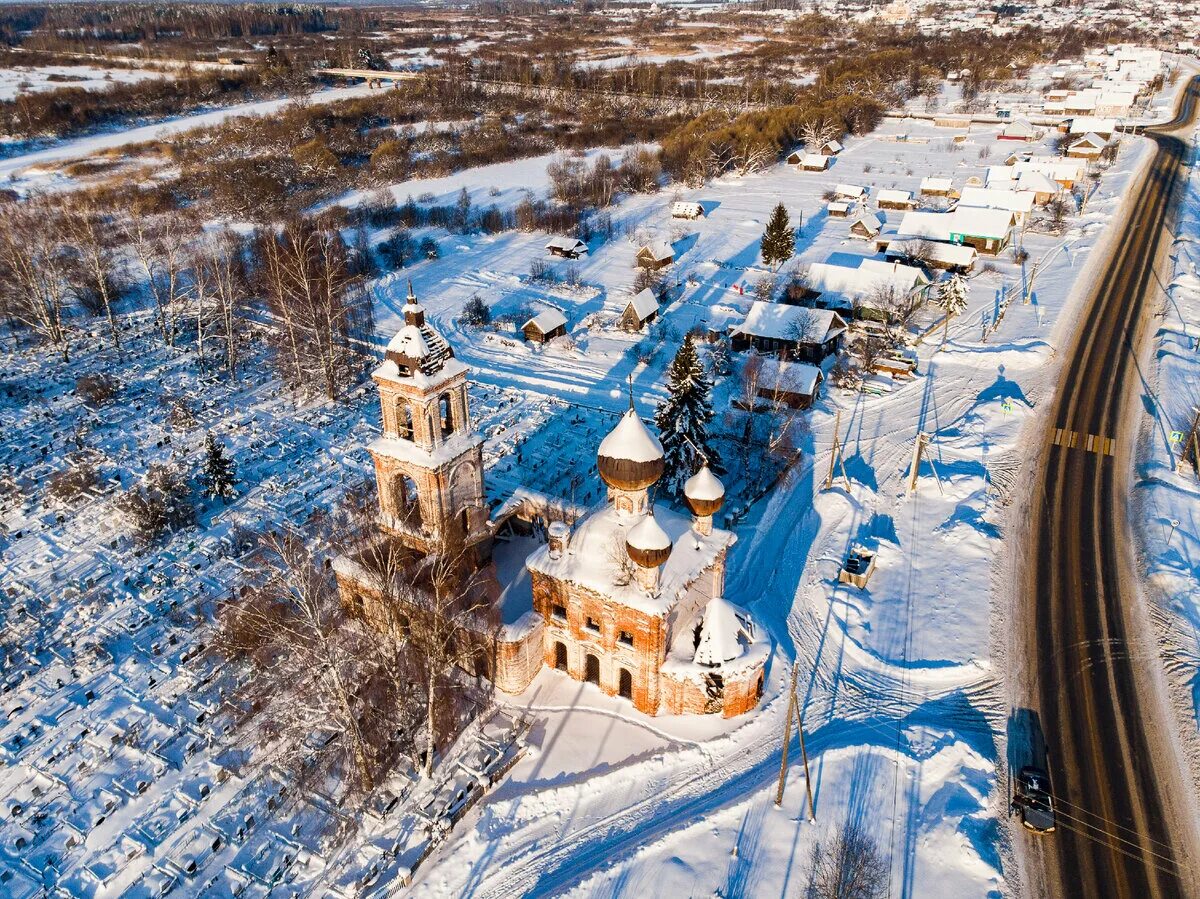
<point x="995" y="198"/>
<point x="631" y="440"/>
<point x="571" y="244"/>
<point x="833" y="146"/>
<point x="658" y="250"/>
<point x="853" y="191"/>
<point x="783" y="322"/>
<point x="934" y="183"/>
<point x="644" y="303"/>
<point x="546" y="321"/>
<point x="592" y="562"/>
<point x="942" y="253"/>
<point x="410" y="342"/>
<point x="868" y="276"/>
<point x="789" y="377"/>
<point x="724" y="633"/>
<point x="966" y="221"/>
<point x="1083" y="124"/>
<point x="870" y="221"/>
<point x="1055" y="167"/>
<point x="893" y="196"/>
<point x="1091" y="139"/>
<point x="685" y="207"/>
<point x="814" y="161"/>
<point x="407" y="451"/>
<point x="1019" y="128"/>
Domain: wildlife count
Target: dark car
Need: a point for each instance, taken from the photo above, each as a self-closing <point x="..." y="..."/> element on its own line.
<point x="1032" y="799"/>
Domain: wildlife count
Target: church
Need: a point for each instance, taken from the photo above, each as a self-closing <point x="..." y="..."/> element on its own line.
<point x="628" y="596"/>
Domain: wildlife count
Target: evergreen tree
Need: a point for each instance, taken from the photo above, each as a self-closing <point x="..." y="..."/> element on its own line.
<point x="952" y="297"/>
<point x="683" y="418"/>
<point x="219" y="473"/>
<point x="779" y="240"/>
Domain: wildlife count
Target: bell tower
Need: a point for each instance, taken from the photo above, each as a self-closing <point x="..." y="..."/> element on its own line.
<point x="429" y="462"/>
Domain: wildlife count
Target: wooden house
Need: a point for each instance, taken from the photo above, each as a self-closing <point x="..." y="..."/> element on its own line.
<point x="866" y="226"/>
<point x="796" y="332"/>
<point x="641" y="309"/>
<point x="681" y="209"/>
<point x="814" y="162"/>
<point x="831" y="148"/>
<point x="839" y="209"/>
<point x="1090" y="146"/>
<point x="895" y="199"/>
<point x="567" y="247"/>
<point x="545" y="326"/>
<point x="795" y="384"/>
<point x="936" y="187"/>
<point x="655" y="255"/>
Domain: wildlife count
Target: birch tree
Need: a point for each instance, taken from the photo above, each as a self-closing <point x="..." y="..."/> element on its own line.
<point x="159" y="247"/>
<point x="34" y="271"/>
<point x="93" y="235"/>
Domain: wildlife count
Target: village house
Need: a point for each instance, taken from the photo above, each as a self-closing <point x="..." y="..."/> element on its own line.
<point x="641" y="309"/>
<point x="1090" y="146"/>
<point x="813" y="162"/>
<point x="545" y="326"/>
<point x="839" y="209"/>
<point x="795" y="384"/>
<point x="682" y="209"/>
<point x="853" y="192"/>
<point x="987" y="230"/>
<point x="630" y="597"/>
<point x="895" y="199"/>
<point x="1083" y="124"/>
<point x="567" y="247"/>
<point x="831" y="148"/>
<point x="1018" y="202"/>
<point x="933" y="186"/>
<point x="1019" y="129"/>
<point x="797" y="332"/>
<point x="655" y="255"/>
<point x="934" y="254"/>
<point x="860" y="289"/>
<point x="866" y="226"/>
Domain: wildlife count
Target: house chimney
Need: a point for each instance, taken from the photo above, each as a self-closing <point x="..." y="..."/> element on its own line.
<point x="560" y="538"/>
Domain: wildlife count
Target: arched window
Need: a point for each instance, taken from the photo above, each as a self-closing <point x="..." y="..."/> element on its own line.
<point x="591" y="669"/>
<point x="444" y="413"/>
<point x="560" y="656"/>
<point x="404" y="421"/>
<point x="625" y="684"/>
<point x="405" y="501"/>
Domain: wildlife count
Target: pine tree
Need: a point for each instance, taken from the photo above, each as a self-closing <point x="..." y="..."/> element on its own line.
<point x="779" y="240"/>
<point x="952" y="297"/>
<point x="683" y="418"/>
<point x="219" y="473"/>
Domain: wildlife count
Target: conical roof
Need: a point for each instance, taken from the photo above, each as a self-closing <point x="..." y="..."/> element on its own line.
<point x="630" y="457"/>
<point x="417" y="346"/>
<point x="720" y="634"/>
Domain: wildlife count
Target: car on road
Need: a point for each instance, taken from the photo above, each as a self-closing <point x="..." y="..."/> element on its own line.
<point x="1032" y="800"/>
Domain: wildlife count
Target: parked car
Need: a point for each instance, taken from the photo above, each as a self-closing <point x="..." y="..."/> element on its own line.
<point x="1032" y="800"/>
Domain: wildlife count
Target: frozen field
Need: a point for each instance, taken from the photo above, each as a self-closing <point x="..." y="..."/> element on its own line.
<point x="35" y="79"/>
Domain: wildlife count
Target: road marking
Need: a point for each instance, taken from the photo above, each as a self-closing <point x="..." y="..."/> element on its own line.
<point x="1091" y="443"/>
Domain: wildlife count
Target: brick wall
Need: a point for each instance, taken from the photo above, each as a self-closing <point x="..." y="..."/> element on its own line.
<point x="518" y="661"/>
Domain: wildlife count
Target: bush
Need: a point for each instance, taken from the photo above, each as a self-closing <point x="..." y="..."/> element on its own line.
<point x="476" y="313"/>
<point x="398" y="249"/>
<point x="74" y="481"/>
<point x="96" y="389"/>
<point x="429" y="248"/>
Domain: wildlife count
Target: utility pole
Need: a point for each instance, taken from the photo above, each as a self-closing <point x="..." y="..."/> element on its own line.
<point x="918" y="453"/>
<point x="1029" y="283"/>
<point x="794" y="708"/>
<point x="836" y="458"/>
<point x="1193" y="442"/>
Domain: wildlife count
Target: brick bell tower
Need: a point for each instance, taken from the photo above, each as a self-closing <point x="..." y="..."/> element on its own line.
<point x="429" y="462"/>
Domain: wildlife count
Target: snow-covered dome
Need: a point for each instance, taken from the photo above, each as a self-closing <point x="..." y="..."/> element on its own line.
<point x="647" y="543"/>
<point x="417" y="346"/>
<point x="720" y="634"/>
<point x="704" y="492"/>
<point x="630" y="457"/>
<point x="409" y="342"/>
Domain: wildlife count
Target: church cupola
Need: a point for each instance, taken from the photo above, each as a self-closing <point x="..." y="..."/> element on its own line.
<point x="417" y="348"/>
<point x="630" y="461"/>
<point x="414" y="312"/>
<point x="704" y="494"/>
<point x="649" y="547"/>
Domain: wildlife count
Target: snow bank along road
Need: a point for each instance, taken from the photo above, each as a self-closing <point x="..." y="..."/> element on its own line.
<point x="1126" y="811"/>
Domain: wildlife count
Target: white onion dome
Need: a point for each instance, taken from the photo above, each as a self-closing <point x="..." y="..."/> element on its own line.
<point x="704" y="492"/>
<point x="647" y="543"/>
<point x="630" y="457"/>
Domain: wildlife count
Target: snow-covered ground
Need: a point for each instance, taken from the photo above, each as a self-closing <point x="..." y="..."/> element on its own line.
<point x="35" y="79"/>
<point x="1166" y="507"/>
<point x="901" y="684"/>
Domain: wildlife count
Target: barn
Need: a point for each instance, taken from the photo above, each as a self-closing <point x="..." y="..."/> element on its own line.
<point x="641" y="309"/>
<point x="545" y="326"/>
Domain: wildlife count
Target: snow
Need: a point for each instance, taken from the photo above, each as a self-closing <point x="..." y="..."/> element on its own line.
<point x="39" y="79"/>
<point x="704" y="486"/>
<point x="409" y="342"/>
<point x="790" y="377"/>
<point x="721" y="634"/>
<point x="441" y="454"/>
<point x="648" y="535"/>
<point x="631" y="440"/>
<point x="547" y="321"/>
<point x="644" y="303"/>
<point x="781" y="322"/>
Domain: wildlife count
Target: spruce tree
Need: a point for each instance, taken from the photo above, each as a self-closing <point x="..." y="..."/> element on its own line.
<point x="219" y="473"/>
<point x="952" y="297"/>
<point x="779" y="240"/>
<point x="683" y="418"/>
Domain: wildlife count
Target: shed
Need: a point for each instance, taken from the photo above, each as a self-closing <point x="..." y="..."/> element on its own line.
<point x="655" y="255"/>
<point x="1090" y="146"/>
<point x="682" y="209"/>
<point x="641" y="308"/>
<point x="545" y="326"/>
<point x="567" y="247"/>
<point x="839" y="209"/>
<point x="850" y="191"/>
<point x="936" y="187"/>
<point x="831" y="148"/>
<point x="814" y="162"/>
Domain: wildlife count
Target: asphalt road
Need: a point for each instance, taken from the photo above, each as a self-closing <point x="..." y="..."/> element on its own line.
<point x="1123" y="820"/>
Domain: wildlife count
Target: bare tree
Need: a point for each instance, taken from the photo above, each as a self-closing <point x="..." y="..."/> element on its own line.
<point x="94" y="236"/>
<point x="159" y="247"/>
<point x="816" y="133"/>
<point x="850" y="867"/>
<point x="223" y="274"/>
<point x="35" y="271"/>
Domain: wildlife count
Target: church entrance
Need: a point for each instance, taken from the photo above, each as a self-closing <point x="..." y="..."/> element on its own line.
<point x="625" y="685"/>
<point x="560" y="656"/>
<point x="591" y="669"/>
